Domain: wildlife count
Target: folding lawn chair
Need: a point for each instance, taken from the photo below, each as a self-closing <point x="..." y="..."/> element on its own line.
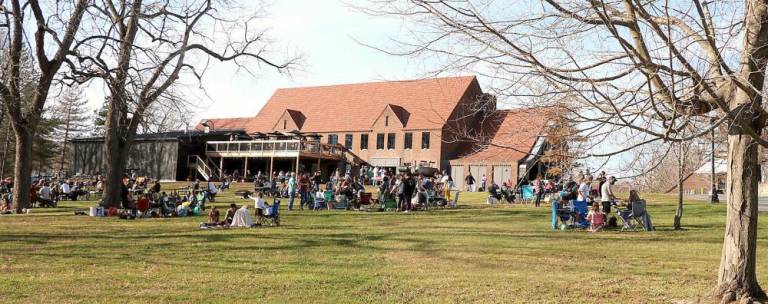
<point x="455" y="202"/>
<point x="319" y="202"/>
<point x="526" y="192"/>
<point x="365" y="200"/>
<point x="634" y="221"/>
<point x="272" y="214"/>
<point x="560" y="215"/>
<point x="580" y="211"/>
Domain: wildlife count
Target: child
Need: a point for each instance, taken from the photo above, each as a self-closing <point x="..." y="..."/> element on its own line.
<point x="596" y="218"/>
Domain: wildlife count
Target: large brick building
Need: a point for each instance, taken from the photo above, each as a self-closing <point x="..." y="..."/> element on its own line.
<point x="439" y="123"/>
<point x="435" y="122"/>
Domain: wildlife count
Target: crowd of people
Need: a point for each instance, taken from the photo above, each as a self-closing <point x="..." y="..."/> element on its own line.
<point x="594" y="192"/>
<point x="309" y="190"/>
<point x="48" y="192"/>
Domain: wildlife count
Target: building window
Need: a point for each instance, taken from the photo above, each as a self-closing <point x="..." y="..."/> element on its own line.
<point x="363" y="141"/>
<point x="380" y="141"/>
<point x="386" y="120"/>
<point x="333" y="139"/>
<point x="348" y="141"/>
<point x="425" y="140"/>
<point x="408" y="141"/>
<point x="285" y="123"/>
<point x="391" y="141"/>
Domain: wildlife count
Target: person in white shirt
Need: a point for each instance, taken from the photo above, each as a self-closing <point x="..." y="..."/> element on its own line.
<point x="584" y="189"/>
<point x="65" y="189"/>
<point x="260" y="204"/>
<point x="606" y="194"/>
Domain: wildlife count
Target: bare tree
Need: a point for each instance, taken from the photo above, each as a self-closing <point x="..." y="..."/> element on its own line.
<point x="636" y="72"/>
<point x="141" y="49"/>
<point x="50" y="32"/>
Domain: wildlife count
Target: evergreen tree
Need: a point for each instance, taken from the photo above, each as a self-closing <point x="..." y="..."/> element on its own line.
<point x="71" y="114"/>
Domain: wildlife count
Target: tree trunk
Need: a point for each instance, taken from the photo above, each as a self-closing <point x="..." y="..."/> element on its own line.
<point x="680" y="169"/>
<point x="737" y="279"/>
<point x="6" y="141"/>
<point x="22" y="171"/>
<point x="116" y="157"/>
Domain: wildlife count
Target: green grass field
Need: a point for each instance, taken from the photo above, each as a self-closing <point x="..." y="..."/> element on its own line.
<point x="473" y="254"/>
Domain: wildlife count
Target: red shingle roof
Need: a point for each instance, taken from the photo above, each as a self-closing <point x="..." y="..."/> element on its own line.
<point x="355" y="107"/>
<point x="512" y="134"/>
<point x="238" y="123"/>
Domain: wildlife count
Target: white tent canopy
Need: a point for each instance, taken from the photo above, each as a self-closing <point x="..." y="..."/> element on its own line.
<point x="721" y="166"/>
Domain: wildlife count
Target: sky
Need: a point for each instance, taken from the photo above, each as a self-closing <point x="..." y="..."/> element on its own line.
<point x="326" y="34"/>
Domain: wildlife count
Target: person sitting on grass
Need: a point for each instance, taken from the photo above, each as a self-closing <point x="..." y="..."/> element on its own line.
<point x="230" y="214"/>
<point x="44" y="196"/>
<point x="242" y="218"/>
<point x="596" y="218"/>
<point x="6" y="206"/>
<point x="213" y="217"/>
<point x="143" y="203"/>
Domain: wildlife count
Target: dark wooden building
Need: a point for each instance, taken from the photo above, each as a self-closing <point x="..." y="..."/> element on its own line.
<point x="166" y="156"/>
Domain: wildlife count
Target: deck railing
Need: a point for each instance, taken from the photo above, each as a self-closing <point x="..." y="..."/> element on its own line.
<point x="265" y="147"/>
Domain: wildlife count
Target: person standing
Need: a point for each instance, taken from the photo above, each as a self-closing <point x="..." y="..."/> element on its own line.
<point x="483" y="181"/>
<point x="606" y="195"/>
<point x="447" y="183"/>
<point x="409" y="188"/>
<point x="304" y="191"/>
<point x="584" y="189"/>
<point x="538" y="190"/>
<point x="399" y="190"/>
<point x="317" y="181"/>
<point x="212" y="190"/>
<point x="470" y="181"/>
<point x="291" y="190"/>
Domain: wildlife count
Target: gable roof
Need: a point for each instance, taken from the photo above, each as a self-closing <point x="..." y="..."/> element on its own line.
<point x="509" y="134"/>
<point x="401" y="114"/>
<point x="424" y="103"/>
<point x="237" y="123"/>
<point x="296" y="116"/>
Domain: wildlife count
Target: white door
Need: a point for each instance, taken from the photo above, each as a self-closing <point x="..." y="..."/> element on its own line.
<point x="501" y="174"/>
<point x="477" y="173"/>
<point x="457" y="173"/>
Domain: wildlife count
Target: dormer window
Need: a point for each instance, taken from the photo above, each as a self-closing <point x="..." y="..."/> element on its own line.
<point x="386" y="121"/>
<point x="285" y="124"/>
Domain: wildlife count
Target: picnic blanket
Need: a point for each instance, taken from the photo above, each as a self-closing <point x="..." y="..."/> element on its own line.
<point x="242" y="218"/>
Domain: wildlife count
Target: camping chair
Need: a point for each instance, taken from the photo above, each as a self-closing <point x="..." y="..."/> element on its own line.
<point x="341" y="202"/>
<point x="634" y="221"/>
<point x="526" y="192"/>
<point x="328" y="194"/>
<point x="319" y="202"/>
<point x="365" y="200"/>
<point x="272" y="214"/>
<point x="580" y="211"/>
<point x="560" y="215"/>
<point x="455" y="202"/>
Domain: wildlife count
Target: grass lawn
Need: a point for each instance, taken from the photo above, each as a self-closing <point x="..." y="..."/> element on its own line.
<point x="498" y="254"/>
